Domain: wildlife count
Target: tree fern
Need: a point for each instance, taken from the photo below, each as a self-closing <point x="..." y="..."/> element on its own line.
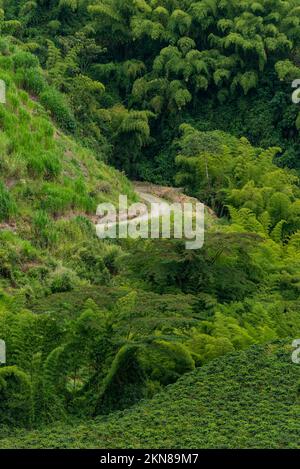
<point x="277" y="232"/>
<point x="106" y="10"/>
<point x="71" y="4"/>
<point x="286" y="69"/>
<point x="53" y="407"/>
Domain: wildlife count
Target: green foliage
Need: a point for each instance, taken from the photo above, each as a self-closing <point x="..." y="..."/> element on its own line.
<point x="32" y="80"/>
<point x="170" y="58"/>
<point x="62" y="281"/>
<point x="7" y="204"/>
<point x="165" y="362"/>
<point x="230" y="174"/>
<point x="209" y="408"/>
<point x="25" y="60"/>
<point x="16" y="397"/>
<point x="92" y="326"/>
<point x="125" y="383"/>
<point x="57" y="105"/>
<point x="131" y="133"/>
<point x="52" y="407"/>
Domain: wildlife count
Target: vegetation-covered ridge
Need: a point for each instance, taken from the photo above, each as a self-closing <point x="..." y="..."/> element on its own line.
<point x="245" y="400"/>
<point x="141" y="312"/>
<point x="189" y="93"/>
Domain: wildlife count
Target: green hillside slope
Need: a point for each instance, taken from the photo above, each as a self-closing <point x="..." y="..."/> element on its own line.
<point x="43" y="168"/>
<point x="50" y="186"/>
<point x="245" y="400"/>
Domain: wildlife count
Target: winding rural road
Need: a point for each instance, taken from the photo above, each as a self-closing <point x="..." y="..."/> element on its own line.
<point x="155" y="203"/>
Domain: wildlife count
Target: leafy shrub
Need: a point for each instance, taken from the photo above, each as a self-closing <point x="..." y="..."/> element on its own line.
<point x="25" y="60"/>
<point x="4" y="46"/>
<point x="6" y="63"/>
<point x="62" y="280"/>
<point x="90" y="265"/>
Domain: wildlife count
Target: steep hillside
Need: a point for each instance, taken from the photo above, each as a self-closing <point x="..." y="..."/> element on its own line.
<point x="245" y="400"/>
<point x="50" y="185"/>
<point x="43" y="168"/>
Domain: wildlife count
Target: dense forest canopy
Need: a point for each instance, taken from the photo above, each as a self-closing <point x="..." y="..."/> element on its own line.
<point x="196" y="94"/>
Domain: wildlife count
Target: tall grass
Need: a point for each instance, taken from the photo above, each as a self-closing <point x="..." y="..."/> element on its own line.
<point x="7" y="204"/>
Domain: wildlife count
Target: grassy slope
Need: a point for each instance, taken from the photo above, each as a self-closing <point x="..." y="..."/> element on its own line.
<point x="245" y="400"/>
<point x="42" y="168"/>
